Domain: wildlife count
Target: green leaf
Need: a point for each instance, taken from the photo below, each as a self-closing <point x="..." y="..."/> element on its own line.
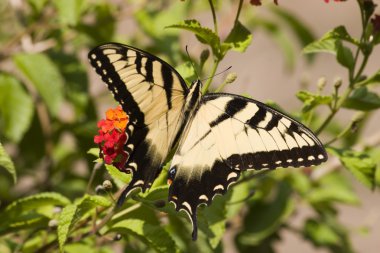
<point x="320" y="233"/>
<point x="310" y="101"/>
<point x="265" y="217"/>
<point x="331" y="42"/>
<point x="71" y="214"/>
<point x="326" y="46"/>
<point x="362" y="99"/>
<point x="94" y="152"/>
<point x="45" y="77"/>
<point x="344" y="56"/>
<point x="186" y="70"/>
<point x="65" y="223"/>
<point x="153" y="235"/>
<point x="340" y="33"/>
<point x="204" y="35"/>
<point x="360" y="164"/>
<point x="215" y="217"/>
<point x="37" y="5"/>
<point x="69" y="11"/>
<point x="16" y="108"/>
<point x="238" y="39"/>
<point x="333" y="187"/>
<point x="120" y="178"/>
<point x="7" y="164"/>
<point x="35" y="201"/>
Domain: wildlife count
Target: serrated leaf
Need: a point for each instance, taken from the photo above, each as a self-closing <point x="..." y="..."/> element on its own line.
<point x="92" y="201"/>
<point x="35" y="201"/>
<point x="362" y="99"/>
<point x="326" y="46"/>
<point x="340" y="33"/>
<point x="238" y="39"/>
<point x="155" y="236"/>
<point x="16" y="108"/>
<point x="7" y="164"/>
<point x="69" y="11"/>
<point x="204" y="35"/>
<point x="44" y="75"/>
<point x="310" y="100"/>
<point x="65" y="223"/>
<point x="360" y="164"/>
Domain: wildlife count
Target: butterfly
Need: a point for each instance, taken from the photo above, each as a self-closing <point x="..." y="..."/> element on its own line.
<point x="216" y="136"/>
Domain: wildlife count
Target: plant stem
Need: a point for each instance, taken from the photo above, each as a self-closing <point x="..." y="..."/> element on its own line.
<point x="353" y="78"/>
<point x="213" y="16"/>
<point x="238" y="11"/>
<point x="208" y="83"/>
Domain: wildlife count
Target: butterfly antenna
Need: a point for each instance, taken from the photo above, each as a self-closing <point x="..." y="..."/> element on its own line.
<point x="191" y="62"/>
<point x="221" y="72"/>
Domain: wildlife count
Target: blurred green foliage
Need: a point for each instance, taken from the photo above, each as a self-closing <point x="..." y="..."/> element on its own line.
<point x="48" y="116"/>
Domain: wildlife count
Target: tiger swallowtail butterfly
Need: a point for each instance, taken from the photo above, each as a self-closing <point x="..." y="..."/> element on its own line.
<point x="217" y="135"/>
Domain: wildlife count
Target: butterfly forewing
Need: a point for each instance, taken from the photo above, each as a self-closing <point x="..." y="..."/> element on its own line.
<point x="152" y="93"/>
<point x="230" y="134"/>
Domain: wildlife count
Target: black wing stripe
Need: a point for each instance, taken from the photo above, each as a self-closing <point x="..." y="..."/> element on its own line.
<point x="257" y="118"/>
<point x="232" y="107"/>
<point x="167" y="76"/>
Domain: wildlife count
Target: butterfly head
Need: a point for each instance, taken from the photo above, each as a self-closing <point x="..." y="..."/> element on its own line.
<point x="171" y="175"/>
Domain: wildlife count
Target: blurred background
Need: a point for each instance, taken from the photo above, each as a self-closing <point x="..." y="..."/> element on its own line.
<point x="51" y="99"/>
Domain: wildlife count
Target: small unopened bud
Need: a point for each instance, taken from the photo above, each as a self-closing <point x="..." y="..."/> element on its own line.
<point x="117" y="237"/>
<point x="356" y="121"/>
<point x="204" y="55"/>
<point x="57" y="209"/>
<point x="53" y="223"/>
<point x="159" y="203"/>
<point x="107" y="185"/>
<point x="321" y="84"/>
<point x="231" y="77"/>
<point x="338" y="82"/>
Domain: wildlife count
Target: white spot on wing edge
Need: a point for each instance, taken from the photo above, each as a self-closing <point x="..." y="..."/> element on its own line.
<point x="138" y="182"/>
<point x="232" y="175"/>
<point x="219" y="186"/>
<point x="188" y="207"/>
<point x="204" y="197"/>
<point x="310" y="158"/>
<point x="93" y="56"/>
<point x="320" y="156"/>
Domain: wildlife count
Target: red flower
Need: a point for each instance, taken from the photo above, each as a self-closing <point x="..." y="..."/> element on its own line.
<point x="376" y="23"/>
<point x="326" y="1"/>
<point x="112" y="137"/>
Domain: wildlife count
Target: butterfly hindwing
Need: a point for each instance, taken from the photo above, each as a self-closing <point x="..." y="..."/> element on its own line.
<point x="230" y="134"/>
<point x="153" y="94"/>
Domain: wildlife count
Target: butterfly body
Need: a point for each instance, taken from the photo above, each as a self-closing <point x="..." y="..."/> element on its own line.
<point x="217" y="135"/>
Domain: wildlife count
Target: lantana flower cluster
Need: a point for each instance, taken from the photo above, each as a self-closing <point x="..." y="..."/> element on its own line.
<point x="112" y="137"/>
